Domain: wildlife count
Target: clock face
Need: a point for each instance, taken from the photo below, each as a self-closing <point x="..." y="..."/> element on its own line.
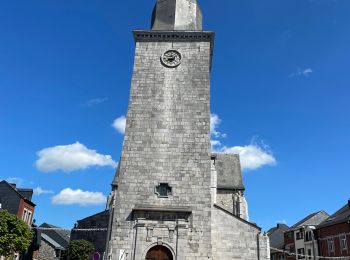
<point x="171" y="58"/>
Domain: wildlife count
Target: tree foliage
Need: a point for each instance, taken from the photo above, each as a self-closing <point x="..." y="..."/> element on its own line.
<point x="80" y="249"/>
<point x="15" y="234"/>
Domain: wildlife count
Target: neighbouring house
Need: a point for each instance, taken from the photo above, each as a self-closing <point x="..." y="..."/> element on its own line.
<point x="17" y="201"/>
<point x="300" y="239"/>
<point x="334" y="234"/>
<point x="96" y="231"/>
<point x="54" y="242"/>
<point x="276" y="235"/>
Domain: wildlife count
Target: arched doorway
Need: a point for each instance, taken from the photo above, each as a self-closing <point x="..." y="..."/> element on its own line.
<point x="159" y="253"/>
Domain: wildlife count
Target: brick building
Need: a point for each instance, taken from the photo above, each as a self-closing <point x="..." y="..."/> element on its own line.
<point x="334" y="234"/>
<point x="300" y="239"/>
<point x="17" y="201"/>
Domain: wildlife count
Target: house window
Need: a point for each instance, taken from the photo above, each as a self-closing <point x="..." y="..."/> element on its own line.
<point x="343" y="243"/>
<point x="301" y="253"/>
<point x="27" y="216"/>
<point x="309" y="253"/>
<point x="24" y="216"/>
<point x="163" y="190"/>
<point x="308" y="236"/>
<point x="330" y="245"/>
<point x="58" y="253"/>
<point x="300" y="235"/>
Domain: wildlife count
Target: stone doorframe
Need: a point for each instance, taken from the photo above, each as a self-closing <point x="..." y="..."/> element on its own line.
<point x="158" y="244"/>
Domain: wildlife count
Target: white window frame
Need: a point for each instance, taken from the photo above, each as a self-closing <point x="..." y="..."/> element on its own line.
<point x="331" y="246"/>
<point x="301" y="253"/>
<point x="343" y="243"/>
<point x="27" y="216"/>
<point x="299" y="235"/>
<point x="30" y="214"/>
<point x="24" y="216"/>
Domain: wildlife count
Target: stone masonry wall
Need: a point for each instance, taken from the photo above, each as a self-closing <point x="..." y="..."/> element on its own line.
<point x="167" y="139"/>
<point x="233" y="238"/>
<point x="46" y="252"/>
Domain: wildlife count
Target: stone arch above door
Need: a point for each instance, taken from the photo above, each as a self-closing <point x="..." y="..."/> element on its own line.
<point x="159" y="252"/>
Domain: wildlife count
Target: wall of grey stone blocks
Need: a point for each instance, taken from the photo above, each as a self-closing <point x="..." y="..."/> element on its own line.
<point x="46" y="251"/>
<point x="233" y="238"/>
<point x="167" y="139"/>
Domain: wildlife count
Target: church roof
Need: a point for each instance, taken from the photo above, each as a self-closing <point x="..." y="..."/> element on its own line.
<point x="170" y="15"/>
<point x="228" y="168"/>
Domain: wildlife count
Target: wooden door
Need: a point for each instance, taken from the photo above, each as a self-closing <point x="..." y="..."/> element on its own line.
<point x="159" y="253"/>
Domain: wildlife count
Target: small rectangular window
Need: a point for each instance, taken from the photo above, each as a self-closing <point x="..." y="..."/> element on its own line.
<point x="343" y="243"/>
<point x="300" y="235"/>
<point x="29" y="218"/>
<point x="309" y="253"/>
<point x="330" y="245"/>
<point x="301" y="253"/>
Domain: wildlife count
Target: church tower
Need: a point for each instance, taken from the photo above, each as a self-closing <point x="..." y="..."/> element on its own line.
<point x="164" y="193"/>
<point x="162" y="187"/>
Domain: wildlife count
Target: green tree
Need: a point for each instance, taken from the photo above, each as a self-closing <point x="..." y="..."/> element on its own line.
<point x="80" y="250"/>
<point x="15" y="234"/>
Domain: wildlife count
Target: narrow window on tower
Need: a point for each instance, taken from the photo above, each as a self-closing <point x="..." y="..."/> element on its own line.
<point x="163" y="190"/>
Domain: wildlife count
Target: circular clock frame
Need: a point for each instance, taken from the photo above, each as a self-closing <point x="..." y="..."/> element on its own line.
<point x="171" y="58"/>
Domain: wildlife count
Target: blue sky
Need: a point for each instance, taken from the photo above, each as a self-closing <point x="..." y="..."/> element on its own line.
<point x="280" y="93"/>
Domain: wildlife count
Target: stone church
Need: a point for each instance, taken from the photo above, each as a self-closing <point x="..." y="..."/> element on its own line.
<point x="171" y="197"/>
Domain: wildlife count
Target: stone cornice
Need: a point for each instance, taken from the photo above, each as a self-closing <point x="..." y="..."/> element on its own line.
<point x="176" y="36"/>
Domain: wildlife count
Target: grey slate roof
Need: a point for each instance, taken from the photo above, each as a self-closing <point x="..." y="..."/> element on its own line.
<point x="61" y="237"/>
<point x="228" y="168"/>
<point x="313" y="219"/>
<point x="276" y="235"/>
<point x="52" y="242"/>
<point x="342" y="215"/>
<point x="25" y="194"/>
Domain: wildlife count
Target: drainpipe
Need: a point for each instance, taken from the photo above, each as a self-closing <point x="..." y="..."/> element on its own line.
<point x="258" y="243"/>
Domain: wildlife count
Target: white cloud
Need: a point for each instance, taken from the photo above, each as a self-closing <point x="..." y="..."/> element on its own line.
<point x="252" y="156"/>
<point x="215" y="121"/>
<point x="79" y="197"/>
<point x="70" y="158"/>
<point x="215" y="143"/>
<point x="39" y="191"/>
<point x="95" y="102"/>
<point x="307" y="72"/>
<point x="282" y="222"/>
<point x="18" y="181"/>
<point x="302" y="73"/>
<point x="119" y="124"/>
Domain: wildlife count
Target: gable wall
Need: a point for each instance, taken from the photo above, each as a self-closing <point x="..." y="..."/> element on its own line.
<point x="9" y="199"/>
<point x="234" y="239"/>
